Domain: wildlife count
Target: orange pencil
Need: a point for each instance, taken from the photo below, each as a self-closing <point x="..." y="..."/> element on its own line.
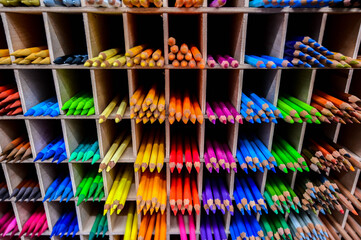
<point x="174" y="49"/>
<point x="192" y="63"/>
<point x="201" y="64"/>
<point x="178" y="112"/>
<point x="172" y="105"/>
<point x="143" y="227"/>
<point x="186" y="105"/>
<point x="198" y="111"/>
<point x="171" y="41"/>
<point x="193" y="116"/>
<point x="15" y="104"/>
<point x="187" y="195"/>
<point x="161" y="118"/>
<point x="175" y="63"/>
<point x="323" y="102"/>
<point x="157" y="54"/>
<point x="180" y="56"/>
<point x="185" y="119"/>
<point x="339" y="103"/>
<point x="184" y="48"/>
<point x="146" y="53"/>
<point x="157" y="227"/>
<point x="171" y="119"/>
<point x="171" y="56"/>
<point x="179" y="196"/>
<point x="179" y="161"/>
<point x="188" y="55"/>
<point x="7" y="93"/>
<point x="195" y="197"/>
<point x="150" y="228"/>
<point x="173" y="154"/>
<point x="184" y="63"/>
<point x="179" y="3"/>
<point x="196" y="53"/>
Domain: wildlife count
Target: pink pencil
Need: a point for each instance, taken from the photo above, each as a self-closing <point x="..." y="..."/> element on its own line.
<point x="211" y="154"/>
<point x="234" y="112"/>
<point x="33" y="224"/>
<point x="207" y="162"/>
<point x="230" y="157"/>
<point x="211" y="62"/>
<point x="39" y="224"/>
<point x="182" y="228"/>
<point x="233" y="62"/>
<point x="212" y="118"/>
<point x="15" y="231"/>
<point x="43" y="229"/>
<point x="221" y="116"/>
<point x="222" y="61"/>
<point x="219" y="153"/>
<point x="226" y="156"/>
<point x="192" y="228"/>
<point x="5" y="218"/>
<point x="226" y="111"/>
<point x="10" y="226"/>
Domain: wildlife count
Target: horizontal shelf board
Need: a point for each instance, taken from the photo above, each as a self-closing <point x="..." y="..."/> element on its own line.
<point x="223" y="10"/>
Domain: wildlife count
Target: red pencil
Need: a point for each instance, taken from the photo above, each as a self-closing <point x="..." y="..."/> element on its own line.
<point x="195" y="197"/>
<point x="179" y="164"/>
<point x="179" y="197"/>
<point x="195" y="155"/>
<point x="188" y="153"/>
<point x="173" y="192"/>
<point x="173" y="154"/>
<point x="187" y="195"/>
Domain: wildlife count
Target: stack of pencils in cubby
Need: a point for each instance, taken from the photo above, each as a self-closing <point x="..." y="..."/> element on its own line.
<point x="10" y="103"/>
<point x="184" y="56"/>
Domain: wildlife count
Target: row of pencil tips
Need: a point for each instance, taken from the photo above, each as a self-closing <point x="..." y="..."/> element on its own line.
<point x="17" y="150"/>
<point x="10" y="103"/>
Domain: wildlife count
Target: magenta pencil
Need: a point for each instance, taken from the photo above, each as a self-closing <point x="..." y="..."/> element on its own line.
<point x="33" y="224"/>
<point x="211" y="62"/>
<point x="227" y="164"/>
<point x="219" y="154"/>
<point x="222" y="61"/>
<point x="217" y="169"/>
<point x="212" y="118"/>
<point x="15" y="231"/>
<point x="218" y="3"/>
<point x="10" y="226"/>
<point x="27" y="224"/>
<point x="211" y="154"/>
<point x="192" y="228"/>
<point x="39" y="224"/>
<point x="230" y="157"/>
<point x="207" y="162"/>
<point x="237" y="116"/>
<point x="5" y="218"/>
<point x="226" y="111"/>
<point x="182" y="228"/>
<point x="233" y="62"/>
<point x="221" y="116"/>
<point x="43" y="229"/>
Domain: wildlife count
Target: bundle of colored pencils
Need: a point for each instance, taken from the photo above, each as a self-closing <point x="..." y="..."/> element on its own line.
<point x="256" y="109"/>
<point x="322" y="194"/>
<point x="151" y="151"/>
<point x="224" y="61"/>
<point x="344" y="109"/>
<point x="188" y="3"/>
<point x="90" y="186"/>
<point x="280" y="196"/>
<point x="304" y="48"/>
<point x="245" y="227"/>
<point x="131" y="227"/>
<point x="10" y="103"/>
<point x="153" y="223"/>
<point x="148" y="105"/>
<point x="119" y="191"/>
<point x="88" y="148"/>
<point x="182" y="226"/>
<point x="215" y="195"/>
<point x="4" y="192"/>
<point x="16" y="3"/>
<point x="36" y="224"/>
<point x="307" y="224"/>
<point x="111" y="106"/>
<point x="325" y="153"/>
<point x="152" y="193"/>
<point x="67" y="223"/>
<point x="5" y="57"/>
<point x="218" y="154"/>
<point x="115" y="151"/>
<point x="8" y="224"/>
<point x="184" y="56"/>
<point x="61" y="3"/>
<point x="184" y="108"/>
<point x="100" y="225"/>
<point x="104" y="3"/>
<point x="300" y="4"/>
<point x="49" y="107"/>
<point x="287" y="157"/>
<point x="33" y="55"/>
<point x="81" y="103"/>
<point x="184" y="193"/>
<point x="248" y="196"/>
<point x="27" y="189"/>
<point x="295" y="110"/>
<point x="142" y="3"/>
<point x="214" y="224"/>
<point x="18" y="149"/>
<point x="61" y="186"/>
<point x="224" y="111"/>
<point x="353" y="226"/>
<point x="55" y="149"/>
<point x="71" y="59"/>
<point x="265" y="61"/>
<point x="275" y="227"/>
<point x="252" y="153"/>
<point x="188" y="147"/>
<point x="332" y="225"/>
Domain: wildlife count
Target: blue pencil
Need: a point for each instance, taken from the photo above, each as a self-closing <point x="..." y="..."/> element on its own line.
<point x="269" y="64"/>
<point x="247" y="156"/>
<point x="252" y="153"/>
<point x="295" y="45"/>
<point x="254" y="62"/>
<point x="260" y="102"/>
<point x="263" y="160"/>
<point x="265" y="151"/>
<point x="257" y="194"/>
<point x="242" y="196"/>
<point x="241" y="161"/>
<point x="251" y="200"/>
<point x="245" y="108"/>
<point x="238" y="223"/>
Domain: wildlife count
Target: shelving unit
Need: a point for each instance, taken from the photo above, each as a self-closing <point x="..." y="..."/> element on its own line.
<point x="91" y="30"/>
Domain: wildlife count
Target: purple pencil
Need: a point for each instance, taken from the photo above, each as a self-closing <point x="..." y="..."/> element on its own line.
<point x="208" y="193"/>
<point x="234" y="112"/>
<point x="221" y="116"/>
<point x="216" y="194"/>
<point x="225" y="195"/>
<point x="222" y="61"/>
<point x="10" y="226"/>
<point x="211" y="116"/>
<point x="211" y="62"/>
<point x="217" y="168"/>
<point x="216" y="234"/>
<point x="208" y="227"/>
<point x="211" y="154"/>
<point x="221" y="228"/>
<point x="207" y="162"/>
<point x="226" y="111"/>
<point x="202" y="230"/>
<point x="205" y="205"/>
<point x="230" y="157"/>
<point x="219" y="154"/>
<point x="218" y="3"/>
<point x="233" y="62"/>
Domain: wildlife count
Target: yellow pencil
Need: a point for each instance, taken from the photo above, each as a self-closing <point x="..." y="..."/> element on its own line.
<point x="154" y="155"/>
<point x="111" y="151"/>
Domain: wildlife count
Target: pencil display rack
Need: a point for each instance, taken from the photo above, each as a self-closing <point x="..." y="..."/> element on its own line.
<point x="89" y="30"/>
